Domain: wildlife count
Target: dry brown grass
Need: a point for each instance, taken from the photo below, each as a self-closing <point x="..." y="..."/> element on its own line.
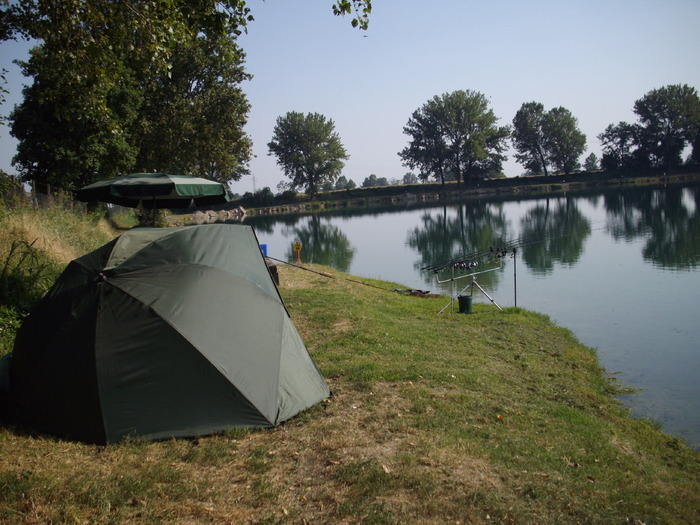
<point x="52" y="236"/>
<point x="40" y="237"/>
<point x="302" y="472"/>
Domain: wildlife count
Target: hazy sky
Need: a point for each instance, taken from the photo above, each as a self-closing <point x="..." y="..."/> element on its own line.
<point x="593" y="57"/>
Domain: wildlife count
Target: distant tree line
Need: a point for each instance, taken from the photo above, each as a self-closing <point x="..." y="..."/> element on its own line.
<point x="455" y="134"/>
<point x="455" y="137"/>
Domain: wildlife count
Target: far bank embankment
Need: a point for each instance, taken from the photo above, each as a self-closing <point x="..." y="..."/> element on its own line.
<point x="432" y="193"/>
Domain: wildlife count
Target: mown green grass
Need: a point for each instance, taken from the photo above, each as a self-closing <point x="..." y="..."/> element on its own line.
<point x="509" y="388"/>
<point x="494" y="417"/>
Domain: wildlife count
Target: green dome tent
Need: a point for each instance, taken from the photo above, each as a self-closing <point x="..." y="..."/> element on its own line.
<point x="163" y="332"/>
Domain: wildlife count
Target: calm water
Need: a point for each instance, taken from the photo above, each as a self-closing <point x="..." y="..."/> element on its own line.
<point x="621" y="269"/>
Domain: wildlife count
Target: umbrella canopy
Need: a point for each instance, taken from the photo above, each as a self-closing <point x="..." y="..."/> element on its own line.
<point x="155" y="190"/>
<point x="163" y="332"/>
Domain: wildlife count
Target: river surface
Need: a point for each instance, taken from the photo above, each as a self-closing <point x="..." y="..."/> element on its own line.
<point x="620" y="268"/>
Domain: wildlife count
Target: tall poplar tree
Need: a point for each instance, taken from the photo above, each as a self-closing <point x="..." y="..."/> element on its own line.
<point x="308" y="149"/>
<point x="545" y="139"/>
<point x="564" y="142"/>
<point x="455" y="133"/>
<point x="670" y="120"/>
<point x="528" y="137"/>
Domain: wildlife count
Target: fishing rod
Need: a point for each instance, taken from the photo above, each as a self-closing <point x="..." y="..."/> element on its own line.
<point x="469" y="261"/>
<point x="327" y="275"/>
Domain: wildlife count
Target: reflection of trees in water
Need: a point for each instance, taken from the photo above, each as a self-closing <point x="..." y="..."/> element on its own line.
<point x="594" y="200"/>
<point x="554" y="230"/>
<point x="663" y="217"/>
<point x="473" y="228"/>
<point x="553" y="235"/>
<point x="626" y="211"/>
<point x="267" y="223"/>
<point x="322" y="243"/>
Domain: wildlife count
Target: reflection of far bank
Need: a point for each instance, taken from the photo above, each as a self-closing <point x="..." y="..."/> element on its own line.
<point x="668" y="220"/>
<point x="552" y="231"/>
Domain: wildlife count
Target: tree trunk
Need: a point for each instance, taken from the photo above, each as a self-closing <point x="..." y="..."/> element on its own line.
<point x="542" y="160"/>
<point x="442" y="176"/>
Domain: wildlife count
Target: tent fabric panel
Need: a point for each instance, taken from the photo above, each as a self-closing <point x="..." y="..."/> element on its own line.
<point x="5" y="364"/>
<point x="70" y="297"/>
<point x="152" y="185"/>
<point x="94" y="261"/>
<point x="243" y="341"/>
<point x="53" y="375"/>
<point x="187" y="186"/>
<point x="154" y="383"/>
<point x="301" y="384"/>
<point x="131" y="242"/>
<point x="230" y="247"/>
<point x="141" y="188"/>
<point x="127" y="190"/>
<point x="63" y="303"/>
<point x="210" y="200"/>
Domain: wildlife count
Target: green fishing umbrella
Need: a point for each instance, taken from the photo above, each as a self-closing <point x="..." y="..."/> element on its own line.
<point x="155" y="190"/>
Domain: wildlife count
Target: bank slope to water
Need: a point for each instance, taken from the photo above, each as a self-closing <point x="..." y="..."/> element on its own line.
<point x="501" y="412"/>
<point x="494" y="417"/>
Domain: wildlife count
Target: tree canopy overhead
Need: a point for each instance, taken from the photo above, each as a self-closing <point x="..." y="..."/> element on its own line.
<point x="308" y="150"/>
<point x="108" y="76"/>
<point x="61" y="142"/>
<point x="455" y="133"/>
<point x="134" y="84"/>
<point x="192" y="119"/>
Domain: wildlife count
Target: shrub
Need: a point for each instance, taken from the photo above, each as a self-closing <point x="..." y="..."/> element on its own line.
<point x="9" y="323"/>
<point x="26" y="275"/>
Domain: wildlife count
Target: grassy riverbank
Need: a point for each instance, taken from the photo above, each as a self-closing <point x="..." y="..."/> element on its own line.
<point x="494" y="417"/>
